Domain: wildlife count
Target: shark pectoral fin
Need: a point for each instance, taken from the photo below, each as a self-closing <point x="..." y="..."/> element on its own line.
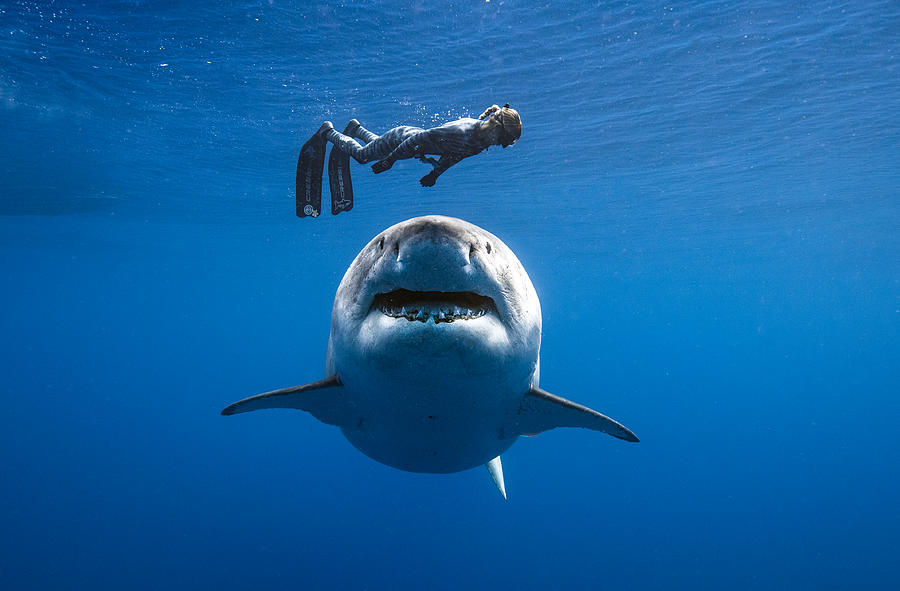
<point x="496" y="470"/>
<point x="324" y="400"/>
<point x="541" y="411"/>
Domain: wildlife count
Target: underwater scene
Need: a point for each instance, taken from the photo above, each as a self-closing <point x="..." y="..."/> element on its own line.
<point x="659" y="279"/>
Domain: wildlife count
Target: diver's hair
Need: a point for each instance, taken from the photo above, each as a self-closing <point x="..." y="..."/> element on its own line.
<point x="511" y="124"/>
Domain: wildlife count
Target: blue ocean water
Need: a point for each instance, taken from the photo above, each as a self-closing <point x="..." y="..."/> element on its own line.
<point x="705" y="196"/>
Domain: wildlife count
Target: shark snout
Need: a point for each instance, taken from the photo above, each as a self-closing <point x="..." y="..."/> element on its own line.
<point x="433" y="246"/>
<point x="435" y="250"/>
<point x="450" y="240"/>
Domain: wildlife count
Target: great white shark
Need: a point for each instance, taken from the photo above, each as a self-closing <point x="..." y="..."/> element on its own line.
<point x="433" y="361"/>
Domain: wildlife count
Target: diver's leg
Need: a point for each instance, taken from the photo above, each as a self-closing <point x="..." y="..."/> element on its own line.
<point x="364" y="134"/>
<point x="345" y="144"/>
<point x="354" y="129"/>
<point x="377" y="149"/>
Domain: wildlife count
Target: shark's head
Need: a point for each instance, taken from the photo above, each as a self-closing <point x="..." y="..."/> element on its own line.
<point x="436" y="288"/>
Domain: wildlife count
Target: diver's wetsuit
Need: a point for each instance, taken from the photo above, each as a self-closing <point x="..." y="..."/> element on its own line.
<point x="451" y="141"/>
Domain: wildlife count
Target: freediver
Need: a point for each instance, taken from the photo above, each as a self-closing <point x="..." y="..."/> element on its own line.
<point x="453" y="141"/>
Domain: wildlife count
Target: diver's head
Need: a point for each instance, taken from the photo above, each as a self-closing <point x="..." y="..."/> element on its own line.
<point x="510" y="125"/>
<point x="504" y="125"/>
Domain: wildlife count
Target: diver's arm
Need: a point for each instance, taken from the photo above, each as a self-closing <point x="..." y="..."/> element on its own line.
<point x="427" y="160"/>
<point x="442" y="165"/>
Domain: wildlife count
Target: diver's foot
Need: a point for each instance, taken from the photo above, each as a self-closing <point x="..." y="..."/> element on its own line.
<point x="351" y="128"/>
<point x="324" y="129"/>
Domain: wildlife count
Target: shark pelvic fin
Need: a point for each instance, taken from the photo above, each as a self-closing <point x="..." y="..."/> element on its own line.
<point x="323" y="399"/>
<point x="541" y="411"/>
<point x="496" y="471"/>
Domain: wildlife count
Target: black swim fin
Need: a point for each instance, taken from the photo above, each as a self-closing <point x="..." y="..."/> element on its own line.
<point x="339" y="177"/>
<point x="310" y="165"/>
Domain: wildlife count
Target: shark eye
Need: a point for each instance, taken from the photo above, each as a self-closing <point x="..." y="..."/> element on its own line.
<point x="381" y="243"/>
<point x="488" y="247"/>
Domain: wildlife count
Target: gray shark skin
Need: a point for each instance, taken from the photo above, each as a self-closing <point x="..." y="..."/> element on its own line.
<point x="433" y="358"/>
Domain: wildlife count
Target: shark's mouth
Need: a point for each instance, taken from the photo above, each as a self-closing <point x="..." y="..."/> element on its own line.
<point x="439" y="306"/>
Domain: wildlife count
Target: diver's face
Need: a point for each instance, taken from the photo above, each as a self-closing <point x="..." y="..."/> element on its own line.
<point x="493" y="128"/>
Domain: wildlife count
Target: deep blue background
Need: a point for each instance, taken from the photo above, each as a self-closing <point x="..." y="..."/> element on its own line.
<point x="705" y="196"/>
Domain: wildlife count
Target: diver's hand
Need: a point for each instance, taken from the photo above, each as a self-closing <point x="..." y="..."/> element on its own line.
<point x="381" y="166"/>
<point x="428" y="180"/>
<point x="489" y="111"/>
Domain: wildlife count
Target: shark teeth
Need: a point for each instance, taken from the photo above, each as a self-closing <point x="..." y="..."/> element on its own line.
<point x="436" y="306"/>
<point x="437" y="315"/>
